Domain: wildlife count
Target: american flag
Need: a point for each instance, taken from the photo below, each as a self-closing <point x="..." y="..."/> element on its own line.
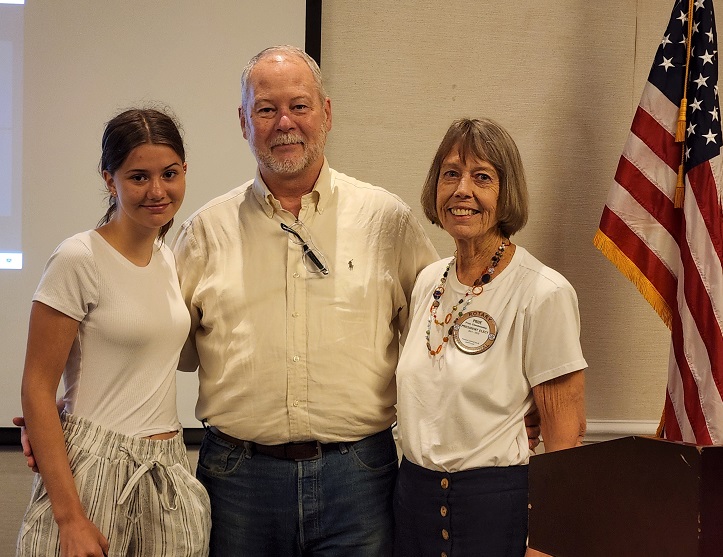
<point x="673" y="255"/>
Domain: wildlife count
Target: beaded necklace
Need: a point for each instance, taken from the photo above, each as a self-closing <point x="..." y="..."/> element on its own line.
<point x="472" y="292"/>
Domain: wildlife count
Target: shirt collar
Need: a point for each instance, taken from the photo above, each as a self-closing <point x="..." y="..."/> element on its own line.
<point x="320" y="196"/>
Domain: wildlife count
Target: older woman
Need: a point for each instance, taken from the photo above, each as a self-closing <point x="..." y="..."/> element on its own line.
<point x="493" y="334"/>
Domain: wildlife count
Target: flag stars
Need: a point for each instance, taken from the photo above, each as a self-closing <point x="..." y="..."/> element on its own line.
<point x="707" y="58"/>
<point x="700" y="49"/>
<point x="710" y="137"/>
<point x="701" y="81"/>
<point x="691" y="78"/>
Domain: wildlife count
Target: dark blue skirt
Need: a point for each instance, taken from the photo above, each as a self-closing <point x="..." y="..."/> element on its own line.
<point x="473" y="513"/>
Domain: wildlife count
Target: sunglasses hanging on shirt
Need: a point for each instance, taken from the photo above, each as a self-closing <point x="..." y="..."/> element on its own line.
<point x="313" y="259"/>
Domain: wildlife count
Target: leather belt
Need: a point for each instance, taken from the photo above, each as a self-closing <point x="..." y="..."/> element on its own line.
<point x="305" y="450"/>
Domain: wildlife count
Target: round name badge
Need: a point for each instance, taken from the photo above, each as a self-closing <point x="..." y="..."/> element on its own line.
<point x="474" y="332"/>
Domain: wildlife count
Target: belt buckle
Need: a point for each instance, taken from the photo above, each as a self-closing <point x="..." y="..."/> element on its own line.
<point x="315" y="456"/>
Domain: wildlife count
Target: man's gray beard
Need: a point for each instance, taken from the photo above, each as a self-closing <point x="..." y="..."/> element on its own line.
<point x="312" y="151"/>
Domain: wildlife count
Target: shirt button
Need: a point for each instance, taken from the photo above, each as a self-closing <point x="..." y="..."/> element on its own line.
<point x="296" y="403"/>
<point x="296" y="358"/>
<point x="295" y="275"/>
<point x="445" y="534"/>
<point x="444" y="483"/>
<point x="443" y="511"/>
<point x="295" y="314"/>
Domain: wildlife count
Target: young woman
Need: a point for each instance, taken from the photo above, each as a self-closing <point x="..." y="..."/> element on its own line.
<point x="109" y="318"/>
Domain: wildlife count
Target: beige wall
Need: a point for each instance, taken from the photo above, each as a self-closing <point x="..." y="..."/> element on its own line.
<point x="564" y="78"/>
<point x="84" y="61"/>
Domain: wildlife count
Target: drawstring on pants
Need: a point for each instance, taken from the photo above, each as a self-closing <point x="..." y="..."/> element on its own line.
<point x="162" y="480"/>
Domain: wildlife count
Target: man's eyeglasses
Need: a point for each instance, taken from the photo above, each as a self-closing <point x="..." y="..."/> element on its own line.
<point x="313" y="259"/>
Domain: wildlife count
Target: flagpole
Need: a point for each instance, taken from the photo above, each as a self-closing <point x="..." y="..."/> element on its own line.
<point x="680" y="131"/>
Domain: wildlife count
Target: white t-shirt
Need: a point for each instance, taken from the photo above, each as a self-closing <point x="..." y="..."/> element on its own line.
<point x="121" y="371"/>
<point x="458" y="411"/>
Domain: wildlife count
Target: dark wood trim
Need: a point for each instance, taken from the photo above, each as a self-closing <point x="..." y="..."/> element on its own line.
<point x="312" y="45"/>
<point x="10" y="436"/>
<point x="193" y="435"/>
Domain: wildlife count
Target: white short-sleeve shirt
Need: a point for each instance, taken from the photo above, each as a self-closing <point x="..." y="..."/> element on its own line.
<point x="121" y="370"/>
<point x="459" y="411"/>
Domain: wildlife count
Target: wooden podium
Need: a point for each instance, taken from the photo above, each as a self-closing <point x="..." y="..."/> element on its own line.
<point x="630" y="497"/>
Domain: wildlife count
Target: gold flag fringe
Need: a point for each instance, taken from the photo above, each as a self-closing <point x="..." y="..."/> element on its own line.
<point x="634" y="275"/>
<point x="644" y="286"/>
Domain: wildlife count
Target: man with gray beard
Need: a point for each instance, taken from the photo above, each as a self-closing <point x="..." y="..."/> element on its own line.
<point x="298" y="284"/>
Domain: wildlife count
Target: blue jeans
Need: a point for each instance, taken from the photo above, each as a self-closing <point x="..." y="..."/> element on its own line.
<point x="337" y="505"/>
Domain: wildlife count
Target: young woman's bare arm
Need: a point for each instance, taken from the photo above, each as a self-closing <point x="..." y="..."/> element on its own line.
<point x="50" y="338"/>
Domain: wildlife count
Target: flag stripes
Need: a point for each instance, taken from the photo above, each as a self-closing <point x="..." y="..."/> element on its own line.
<point x="675" y="256"/>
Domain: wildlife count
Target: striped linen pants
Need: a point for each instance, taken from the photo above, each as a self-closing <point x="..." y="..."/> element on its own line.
<point x="139" y="492"/>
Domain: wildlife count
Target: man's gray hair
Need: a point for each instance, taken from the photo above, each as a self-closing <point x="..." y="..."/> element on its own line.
<point x="289" y="50"/>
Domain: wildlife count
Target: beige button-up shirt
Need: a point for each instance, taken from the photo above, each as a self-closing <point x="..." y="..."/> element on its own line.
<point x="283" y="353"/>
